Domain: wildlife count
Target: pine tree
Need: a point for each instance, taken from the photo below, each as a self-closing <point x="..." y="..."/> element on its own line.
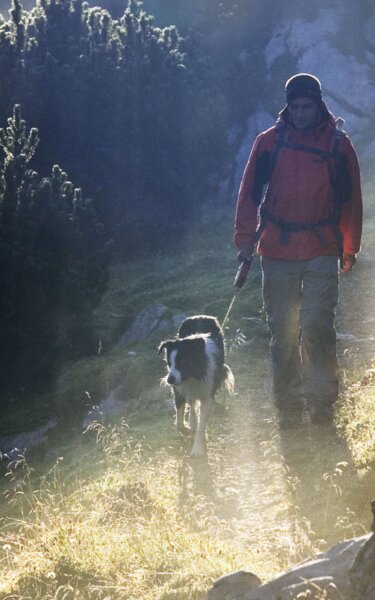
<point x="53" y="263"/>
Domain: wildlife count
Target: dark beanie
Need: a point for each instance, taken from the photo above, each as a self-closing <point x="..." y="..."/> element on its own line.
<point x="303" y="85"/>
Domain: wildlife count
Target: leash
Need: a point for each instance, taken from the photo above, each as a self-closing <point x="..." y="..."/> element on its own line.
<point x="239" y="280"/>
<point x="229" y="309"/>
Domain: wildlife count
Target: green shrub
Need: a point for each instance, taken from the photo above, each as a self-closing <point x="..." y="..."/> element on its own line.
<point x="54" y="266"/>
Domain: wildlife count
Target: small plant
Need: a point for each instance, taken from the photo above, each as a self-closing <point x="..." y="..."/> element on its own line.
<point x="356" y="419"/>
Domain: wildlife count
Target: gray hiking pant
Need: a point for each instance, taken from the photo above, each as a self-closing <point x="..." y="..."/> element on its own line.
<point x="300" y="299"/>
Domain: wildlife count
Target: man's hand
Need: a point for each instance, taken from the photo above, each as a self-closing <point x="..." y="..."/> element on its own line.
<point x="245" y="253"/>
<point x="348" y="262"/>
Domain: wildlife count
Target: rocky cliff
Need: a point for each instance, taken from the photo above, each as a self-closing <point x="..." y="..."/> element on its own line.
<point x="337" y="44"/>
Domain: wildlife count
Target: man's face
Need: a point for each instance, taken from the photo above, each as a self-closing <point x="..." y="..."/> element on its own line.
<point x="303" y="112"/>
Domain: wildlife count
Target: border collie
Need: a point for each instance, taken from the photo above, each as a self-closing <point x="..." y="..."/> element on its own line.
<point x="196" y="370"/>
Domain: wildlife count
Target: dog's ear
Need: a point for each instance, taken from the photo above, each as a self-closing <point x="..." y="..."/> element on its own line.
<point x="198" y="343"/>
<point x="165" y="345"/>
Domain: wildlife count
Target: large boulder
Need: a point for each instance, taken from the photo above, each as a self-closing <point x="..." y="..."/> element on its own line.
<point x="257" y="122"/>
<point x="232" y="586"/>
<point x="317" y="46"/>
<point x="153" y="318"/>
<point x="362" y="572"/>
<point x="326" y="46"/>
<point x="328" y="573"/>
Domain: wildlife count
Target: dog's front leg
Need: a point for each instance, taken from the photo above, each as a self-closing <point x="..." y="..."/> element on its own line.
<point x="180" y="402"/>
<point x="180" y="419"/>
<point x="199" y="441"/>
<point x="193" y="419"/>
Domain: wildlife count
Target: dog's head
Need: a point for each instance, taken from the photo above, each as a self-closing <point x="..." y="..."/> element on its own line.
<point x="184" y="358"/>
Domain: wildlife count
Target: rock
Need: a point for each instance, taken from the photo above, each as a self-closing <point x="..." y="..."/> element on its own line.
<point x="362" y="572"/>
<point x="109" y="408"/>
<point x="230" y="586"/>
<point x="318" y="588"/>
<point x="177" y="320"/>
<point x="309" y="43"/>
<point x="13" y="445"/>
<point x="153" y="318"/>
<point x="164" y="325"/>
<point x="145" y="323"/>
<point x="257" y="122"/>
<point x="328" y="572"/>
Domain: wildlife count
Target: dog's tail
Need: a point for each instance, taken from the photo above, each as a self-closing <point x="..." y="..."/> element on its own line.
<point x="228" y="379"/>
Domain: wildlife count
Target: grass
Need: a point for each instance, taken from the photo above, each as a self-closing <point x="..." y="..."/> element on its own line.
<point x="355" y="416"/>
<point x="116" y="534"/>
<point x="356" y="419"/>
<point x="106" y="519"/>
<point x="198" y="279"/>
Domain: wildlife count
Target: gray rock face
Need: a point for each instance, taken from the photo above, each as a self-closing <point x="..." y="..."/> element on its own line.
<point x="257" y="122"/>
<point x="145" y="323"/>
<point x="347" y="80"/>
<point x="13" y="445"/>
<point x="328" y="572"/>
<point x="155" y="317"/>
<point x="362" y="572"/>
<point x="229" y="586"/>
<point x="318" y="46"/>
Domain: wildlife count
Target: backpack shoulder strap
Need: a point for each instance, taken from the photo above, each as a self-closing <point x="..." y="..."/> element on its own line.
<point x="337" y="139"/>
<point x="281" y="142"/>
<point x="280" y="133"/>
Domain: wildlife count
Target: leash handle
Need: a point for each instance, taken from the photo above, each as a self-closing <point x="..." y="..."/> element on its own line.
<point x="239" y="280"/>
<point x="242" y="273"/>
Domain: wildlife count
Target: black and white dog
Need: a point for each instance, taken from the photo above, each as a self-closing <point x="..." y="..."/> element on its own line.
<point x="196" y="370"/>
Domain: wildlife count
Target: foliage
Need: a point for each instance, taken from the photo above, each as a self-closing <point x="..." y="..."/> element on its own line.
<point x="53" y="270"/>
<point x="130" y="516"/>
<point x="137" y="114"/>
<point x="109" y="98"/>
<point x="232" y="35"/>
<point x="122" y="513"/>
<point x="112" y="530"/>
<point x="135" y="369"/>
<point x="356" y="418"/>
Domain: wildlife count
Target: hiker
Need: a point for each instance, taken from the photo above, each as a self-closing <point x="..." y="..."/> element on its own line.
<point x="300" y="204"/>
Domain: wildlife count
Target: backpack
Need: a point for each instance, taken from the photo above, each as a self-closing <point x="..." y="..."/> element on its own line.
<point x="340" y="181"/>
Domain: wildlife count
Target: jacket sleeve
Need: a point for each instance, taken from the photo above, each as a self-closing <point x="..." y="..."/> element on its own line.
<point x="352" y="210"/>
<point x="250" y="195"/>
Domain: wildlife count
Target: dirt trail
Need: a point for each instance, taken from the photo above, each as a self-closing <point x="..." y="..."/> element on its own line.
<point x="286" y="490"/>
<point x="289" y="491"/>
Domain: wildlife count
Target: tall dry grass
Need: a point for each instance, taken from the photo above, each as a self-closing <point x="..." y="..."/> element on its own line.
<point x="115" y="534"/>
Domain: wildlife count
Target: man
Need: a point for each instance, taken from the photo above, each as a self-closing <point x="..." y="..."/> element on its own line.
<point x="303" y="173"/>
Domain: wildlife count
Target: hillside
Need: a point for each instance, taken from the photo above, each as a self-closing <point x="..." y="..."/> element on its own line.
<point x="101" y="258"/>
<point x="121" y="511"/>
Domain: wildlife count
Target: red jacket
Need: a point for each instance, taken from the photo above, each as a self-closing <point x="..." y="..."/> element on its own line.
<point x="300" y="194"/>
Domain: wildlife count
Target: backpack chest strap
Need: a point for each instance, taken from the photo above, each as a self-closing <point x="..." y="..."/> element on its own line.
<point x="287" y="227"/>
<point x="282" y="142"/>
<point x="310" y="149"/>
